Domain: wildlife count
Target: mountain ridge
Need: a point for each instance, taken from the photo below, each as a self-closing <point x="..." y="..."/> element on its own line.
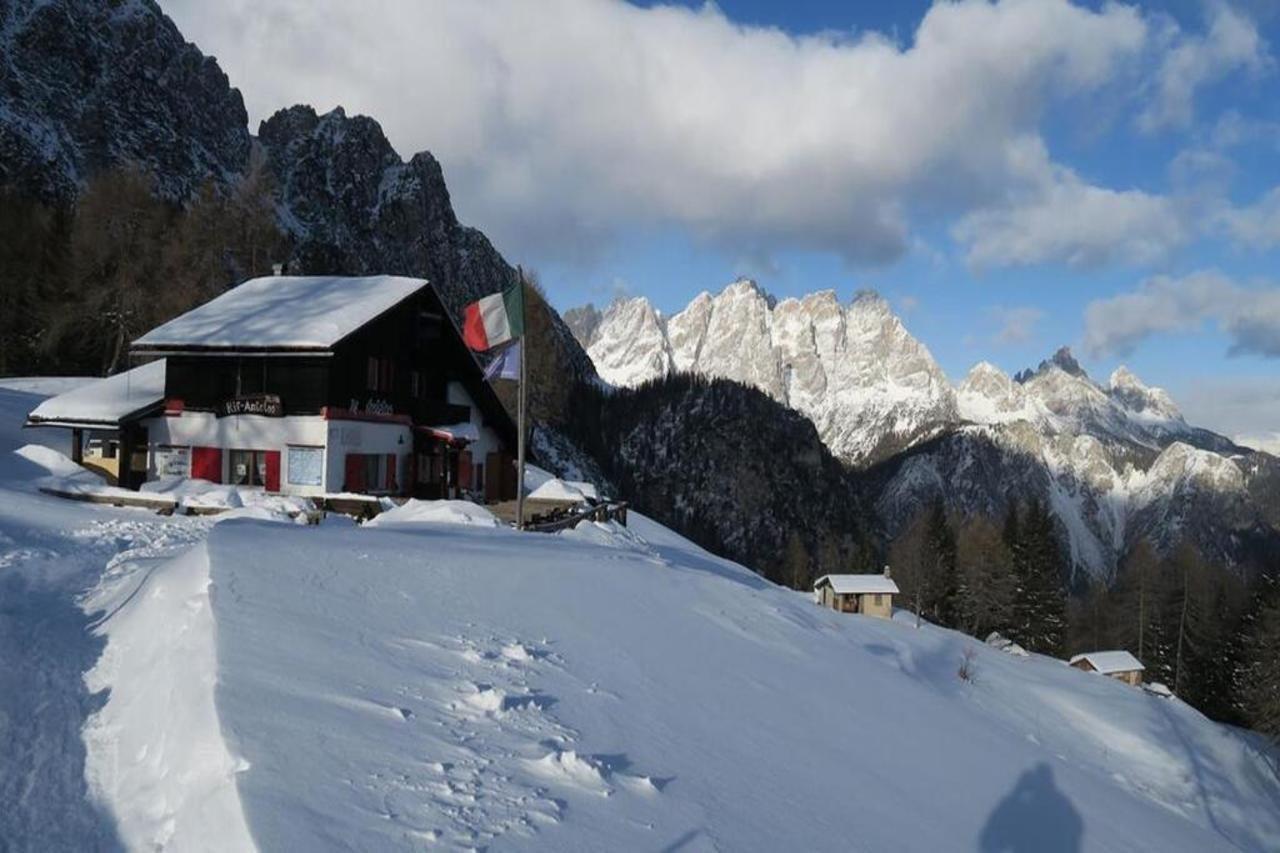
<point x="1116" y="462"/>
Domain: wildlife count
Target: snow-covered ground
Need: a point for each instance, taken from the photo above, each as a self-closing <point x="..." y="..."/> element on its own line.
<point x="431" y="682"/>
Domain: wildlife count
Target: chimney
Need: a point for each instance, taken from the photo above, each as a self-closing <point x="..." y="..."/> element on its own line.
<point x="277" y="269"/>
<point x="886" y="572"/>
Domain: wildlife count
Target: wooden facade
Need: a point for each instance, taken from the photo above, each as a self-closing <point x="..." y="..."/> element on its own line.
<point x="406" y="371"/>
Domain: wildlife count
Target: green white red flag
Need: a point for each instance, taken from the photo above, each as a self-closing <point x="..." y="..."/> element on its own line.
<point x="494" y="320"/>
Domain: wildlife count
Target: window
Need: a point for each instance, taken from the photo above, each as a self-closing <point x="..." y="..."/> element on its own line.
<point x="172" y="461"/>
<point x="373" y="472"/>
<point x="415" y="384"/>
<point x="305" y="466"/>
<point x="248" y="468"/>
<point x="371" y="374"/>
<point x="479" y="477"/>
<point x="879" y="599"/>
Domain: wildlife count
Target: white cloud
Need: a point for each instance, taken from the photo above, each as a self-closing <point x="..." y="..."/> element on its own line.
<point x="1256" y="226"/>
<point x="1231" y="43"/>
<point x="562" y="121"/>
<point x="1246" y="409"/>
<point x="1057" y="217"/>
<point x="1248" y="316"/>
<point x="1016" y="325"/>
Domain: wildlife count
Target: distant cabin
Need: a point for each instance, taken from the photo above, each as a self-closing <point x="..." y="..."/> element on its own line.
<point x="302" y="385"/>
<point x="868" y="594"/>
<point x="1120" y="665"/>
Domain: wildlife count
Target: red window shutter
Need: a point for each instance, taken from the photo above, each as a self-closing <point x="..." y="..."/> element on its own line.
<point x="391" y="472"/>
<point x="355" y="473"/>
<point x="272" y="480"/>
<point x="464" y="469"/>
<point x="206" y="464"/>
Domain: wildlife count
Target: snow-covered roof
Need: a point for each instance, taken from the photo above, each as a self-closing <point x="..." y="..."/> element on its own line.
<point x="1110" y="662"/>
<point x="858" y="584"/>
<point x="104" y="402"/>
<point x="296" y="312"/>
<point x="563" y="490"/>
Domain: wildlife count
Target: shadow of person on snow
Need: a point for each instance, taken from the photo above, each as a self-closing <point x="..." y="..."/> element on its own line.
<point x="1034" y="816"/>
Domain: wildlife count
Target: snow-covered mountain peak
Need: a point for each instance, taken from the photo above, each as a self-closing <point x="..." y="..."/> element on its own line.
<point x="1147" y="401"/>
<point x="629" y="344"/>
<point x="989" y="395"/>
<point x="854" y="369"/>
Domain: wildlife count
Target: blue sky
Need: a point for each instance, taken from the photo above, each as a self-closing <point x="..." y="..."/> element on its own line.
<point x="1013" y="176"/>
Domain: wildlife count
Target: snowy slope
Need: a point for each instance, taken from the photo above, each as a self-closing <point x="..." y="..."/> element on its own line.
<point x="609" y="689"/>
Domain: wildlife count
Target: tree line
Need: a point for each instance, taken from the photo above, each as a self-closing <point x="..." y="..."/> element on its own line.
<point x="79" y="281"/>
<point x="1209" y="633"/>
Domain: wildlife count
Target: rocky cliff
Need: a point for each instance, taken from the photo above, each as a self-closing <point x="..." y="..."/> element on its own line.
<point x="89" y="85"/>
<point x="1116" y="462"/>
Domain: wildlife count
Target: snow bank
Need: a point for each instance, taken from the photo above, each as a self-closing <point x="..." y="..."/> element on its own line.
<point x="416" y="511"/>
<point x="156" y="756"/>
<point x="563" y="490"/>
<point x="57" y="464"/>
<point x="203" y="495"/>
<point x="476" y="687"/>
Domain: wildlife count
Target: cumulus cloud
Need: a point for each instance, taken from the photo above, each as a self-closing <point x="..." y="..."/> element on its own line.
<point x="1016" y="325"/>
<point x="1246" y="409"/>
<point x="1248" y="316"/>
<point x="1257" y="225"/>
<point x="561" y="121"/>
<point x="1231" y="43"/>
<point x="1057" y="217"/>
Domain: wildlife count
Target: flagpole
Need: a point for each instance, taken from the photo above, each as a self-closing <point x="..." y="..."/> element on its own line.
<point x="523" y="392"/>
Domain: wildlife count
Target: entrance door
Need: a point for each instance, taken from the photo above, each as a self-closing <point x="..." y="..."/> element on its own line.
<point x="271" y="480"/>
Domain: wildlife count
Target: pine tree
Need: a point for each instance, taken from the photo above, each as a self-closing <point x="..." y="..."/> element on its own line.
<point x="940" y="555"/>
<point x="1258" y="674"/>
<point x="986" y="585"/>
<point x="908" y="556"/>
<point x="1040" y="603"/>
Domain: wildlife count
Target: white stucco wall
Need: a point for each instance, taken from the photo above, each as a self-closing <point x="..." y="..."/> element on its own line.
<point x="456" y="394"/>
<point x="366" y="437"/>
<point x="239" y="432"/>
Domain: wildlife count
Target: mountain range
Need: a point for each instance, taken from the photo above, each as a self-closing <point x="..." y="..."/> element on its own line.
<point x="1116" y="462"/>
<point x="89" y="86"/>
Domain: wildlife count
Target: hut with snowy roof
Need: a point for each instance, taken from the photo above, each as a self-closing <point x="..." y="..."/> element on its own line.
<point x="868" y="594"/>
<point x="1119" y="665"/>
<point x="306" y="385"/>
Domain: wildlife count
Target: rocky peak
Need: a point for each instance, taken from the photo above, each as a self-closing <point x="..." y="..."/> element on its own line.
<point x="863" y="380"/>
<point x="583" y="321"/>
<point x="91" y="85"/>
<point x="1129" y="391"/>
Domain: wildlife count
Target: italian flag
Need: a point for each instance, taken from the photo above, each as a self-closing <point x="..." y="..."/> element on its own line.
<point x="494" y="320"/>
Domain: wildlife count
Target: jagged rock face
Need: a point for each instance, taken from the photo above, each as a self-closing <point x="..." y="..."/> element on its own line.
<point x="352" y="206"/>
<point x="583" y="322"/>
<point x="1115" y="462"/>
<point x="87" y="86"/>
<point x="854" y="370"/>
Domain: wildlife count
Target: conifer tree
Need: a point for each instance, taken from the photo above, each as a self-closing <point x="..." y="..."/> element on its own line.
<point x="1040" y="603"/>
<point x="986" y="585"/>
<point x="942" y="594"/>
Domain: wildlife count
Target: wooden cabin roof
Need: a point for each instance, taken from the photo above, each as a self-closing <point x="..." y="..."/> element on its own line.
<point x="857" y="584"/>
<point x="105" y="403"/>
<point x="299" y="313"/>
<point x="1109" y="663"/>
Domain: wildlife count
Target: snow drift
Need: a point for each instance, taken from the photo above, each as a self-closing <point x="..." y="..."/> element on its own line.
<point x="473" y="686"/>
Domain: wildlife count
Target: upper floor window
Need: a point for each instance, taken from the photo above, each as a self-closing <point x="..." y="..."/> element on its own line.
<point x="371" y="374"/>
